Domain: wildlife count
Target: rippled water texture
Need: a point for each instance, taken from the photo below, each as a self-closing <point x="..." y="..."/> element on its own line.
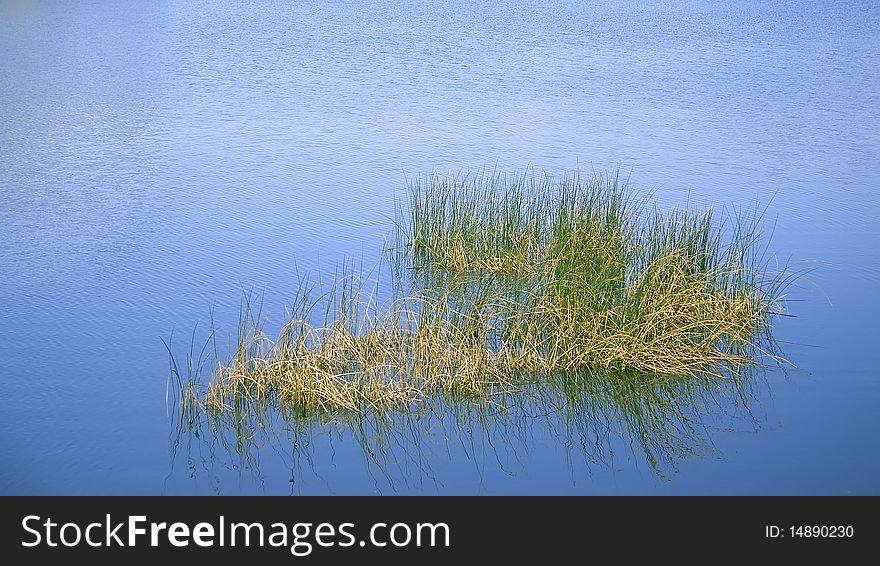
<point x="156" y="159"/>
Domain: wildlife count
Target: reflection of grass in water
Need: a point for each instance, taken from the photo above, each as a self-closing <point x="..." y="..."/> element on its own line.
<point x="597" y="415"/>
<point x="665" y="417"/>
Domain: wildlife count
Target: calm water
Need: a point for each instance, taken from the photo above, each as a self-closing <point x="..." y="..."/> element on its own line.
<point x="157" y="159"/>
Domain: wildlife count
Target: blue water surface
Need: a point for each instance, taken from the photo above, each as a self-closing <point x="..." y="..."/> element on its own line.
<point x="158" y="158"/>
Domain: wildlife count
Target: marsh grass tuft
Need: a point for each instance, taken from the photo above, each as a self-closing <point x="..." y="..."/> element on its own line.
<point x="609" y="283"/>
<point x="508" y="278"/>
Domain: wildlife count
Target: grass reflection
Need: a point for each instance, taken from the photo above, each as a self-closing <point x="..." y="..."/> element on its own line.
<point x="596" y="418"/>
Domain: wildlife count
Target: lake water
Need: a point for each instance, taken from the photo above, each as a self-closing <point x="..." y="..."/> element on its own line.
<point x="157" y="159"/>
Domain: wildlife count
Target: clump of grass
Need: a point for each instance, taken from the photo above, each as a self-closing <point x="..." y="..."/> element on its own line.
<point x="339" y="352"/>
<point x="513" y="277"/>
<point x="503" y="223"/>
<point x="610" y="285"/>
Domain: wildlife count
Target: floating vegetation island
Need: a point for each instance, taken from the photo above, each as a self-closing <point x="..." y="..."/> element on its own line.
<point x="503" y="281"/>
